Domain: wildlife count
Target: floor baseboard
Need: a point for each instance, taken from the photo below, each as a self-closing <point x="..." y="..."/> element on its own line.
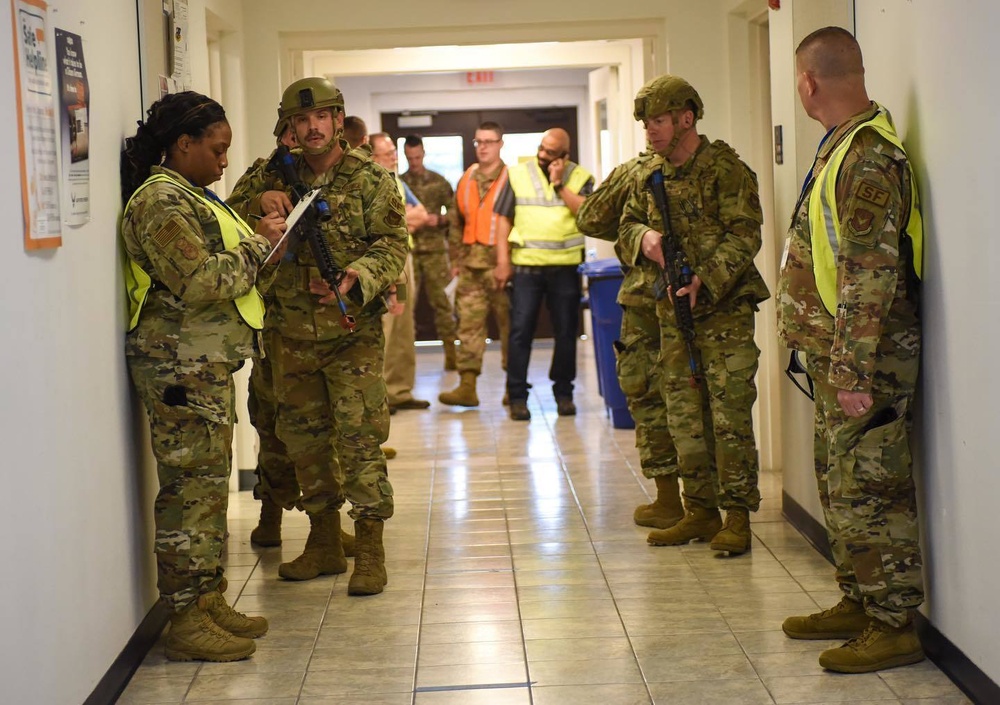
<point x="111" y="686"/>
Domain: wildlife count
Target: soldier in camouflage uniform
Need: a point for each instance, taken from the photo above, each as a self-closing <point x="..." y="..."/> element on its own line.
<point x="478" y="242"/>
<point x="638" y="348"/>
<point x="848" y="300"/>
<point x="431" y="268"/>
<point x="715" y="221"/>
<point x="195" y="315"/>
<point x="277" y="487"/>
<point x="328" y="381"/>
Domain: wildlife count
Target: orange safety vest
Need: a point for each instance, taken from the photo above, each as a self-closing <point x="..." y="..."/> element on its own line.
<point x="480" y="219"/>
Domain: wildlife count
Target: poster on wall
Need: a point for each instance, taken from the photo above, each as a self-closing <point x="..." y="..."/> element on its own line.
<point x="74" y="103"/>
<point x="180" y="62"/>
<point x="36" y="122"/>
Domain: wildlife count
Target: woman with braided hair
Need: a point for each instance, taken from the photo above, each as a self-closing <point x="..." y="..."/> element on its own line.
<point x="191" y="270"/>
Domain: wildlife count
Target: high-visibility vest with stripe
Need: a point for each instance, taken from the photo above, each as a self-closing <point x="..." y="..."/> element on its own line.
<point x="234" y="229"/>
<point x="480" y="218"/>
<point x="545" y="231"/>
<point x="824" y="223"/>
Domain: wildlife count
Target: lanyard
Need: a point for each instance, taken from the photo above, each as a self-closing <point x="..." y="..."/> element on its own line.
<point x="811" y="175"/>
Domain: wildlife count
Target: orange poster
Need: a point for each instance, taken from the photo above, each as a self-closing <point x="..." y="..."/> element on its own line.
<point x="36" y="122"/>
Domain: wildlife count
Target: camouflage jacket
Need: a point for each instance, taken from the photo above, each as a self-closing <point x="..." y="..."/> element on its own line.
<point x="189" y="312"/>
<point x="366" y="233"/>
<point x="599" y="217"/>
<point x="877" y="311"/>
<point x="715" y="217"/>
<point x="434" y="191"/>
<point x="476" y="255"/>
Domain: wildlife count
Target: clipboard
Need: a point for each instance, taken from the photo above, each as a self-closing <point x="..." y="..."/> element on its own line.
<point x="297" y="212"/>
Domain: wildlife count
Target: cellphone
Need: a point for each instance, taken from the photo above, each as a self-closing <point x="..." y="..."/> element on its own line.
<point x="884" y="416"/>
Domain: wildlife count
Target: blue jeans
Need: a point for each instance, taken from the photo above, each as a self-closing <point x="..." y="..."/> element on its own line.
<point x="559" y="286"/>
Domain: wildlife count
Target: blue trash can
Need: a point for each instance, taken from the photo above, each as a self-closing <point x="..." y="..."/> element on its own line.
<point x="604" y="279"/>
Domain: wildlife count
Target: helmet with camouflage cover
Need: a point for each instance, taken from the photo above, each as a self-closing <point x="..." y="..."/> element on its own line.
<point x="664" y="94"/>
<point x="312" y="94"/>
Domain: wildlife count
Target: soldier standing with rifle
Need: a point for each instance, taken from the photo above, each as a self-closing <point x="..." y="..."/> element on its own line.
<point x="327" y="367"/>
<point x="637" y="361"/>
<point x="702" y="200"/>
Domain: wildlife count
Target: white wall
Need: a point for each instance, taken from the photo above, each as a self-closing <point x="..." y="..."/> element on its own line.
<point x="788" y="26"/>
<point x="369" y="96"/>
<point x="76" y="555"/>
<point x="933" y="66"/>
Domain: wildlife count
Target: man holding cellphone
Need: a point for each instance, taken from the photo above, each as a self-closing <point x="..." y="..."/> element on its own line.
<point x="546" y="247"/>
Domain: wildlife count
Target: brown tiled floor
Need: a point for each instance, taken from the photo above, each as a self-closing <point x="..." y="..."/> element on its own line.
<point x="517" y="578"/>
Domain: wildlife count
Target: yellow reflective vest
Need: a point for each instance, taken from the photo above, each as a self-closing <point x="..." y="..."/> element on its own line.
<point x="234" y="229"/>
<point x="824" y="223"/>
<point x="544" y="231"/>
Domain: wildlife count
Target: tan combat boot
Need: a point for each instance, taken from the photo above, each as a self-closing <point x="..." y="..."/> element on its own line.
<point x="449" y="355"/>
<point x="881" y="646"/>
<point x="464" y="394"/>
<point x="193" y="636"/>
<point x="698" y="524"/>
<point x="845" y="620"/>
<point x="236" y="623"/>
<point x="735" y="535"/>
<point x="369" y="576"/>
<point x="666" y="510"/>
<point x="268" y="530"/>
<point x="323" y="555"/>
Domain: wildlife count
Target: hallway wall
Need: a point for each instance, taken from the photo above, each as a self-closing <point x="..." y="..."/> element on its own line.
<point x="931" y="65"/>
<point x="75" y="552"/>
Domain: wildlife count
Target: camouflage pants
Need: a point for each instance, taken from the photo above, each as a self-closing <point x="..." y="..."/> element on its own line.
<point x="639" y="375"/>
<point x="433" y="271"/>
<point x="332" y="406"/>
<point x="866" y="488"/>
<point x="191" y="412"/>
<point x="711" y="424"/>
<point x="275" y="470"/>
<point x="475" y="297"/>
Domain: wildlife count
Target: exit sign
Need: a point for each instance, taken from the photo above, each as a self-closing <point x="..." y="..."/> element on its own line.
<point x="478" y="78"/>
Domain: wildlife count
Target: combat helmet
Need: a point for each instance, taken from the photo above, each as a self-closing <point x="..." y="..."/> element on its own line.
<point x="309" y="94"/>
<point x="664" y="94"/>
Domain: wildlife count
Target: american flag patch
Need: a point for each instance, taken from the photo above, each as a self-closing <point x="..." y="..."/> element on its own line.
<point x="165" y="235"/>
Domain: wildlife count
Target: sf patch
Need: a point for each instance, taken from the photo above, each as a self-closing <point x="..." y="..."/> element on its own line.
<point x="867" y="191"/>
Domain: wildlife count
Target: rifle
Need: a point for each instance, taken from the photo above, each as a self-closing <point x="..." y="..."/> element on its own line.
<point x="319" y="211"/>
<point x="675" y="275"/>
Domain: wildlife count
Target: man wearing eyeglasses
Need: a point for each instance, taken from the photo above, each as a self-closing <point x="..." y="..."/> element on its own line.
<point x="478" y="243"/>
<point x="546" y="247"/>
